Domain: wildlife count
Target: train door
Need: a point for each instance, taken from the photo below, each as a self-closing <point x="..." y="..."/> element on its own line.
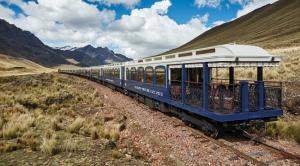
<point x="175" y="77"/>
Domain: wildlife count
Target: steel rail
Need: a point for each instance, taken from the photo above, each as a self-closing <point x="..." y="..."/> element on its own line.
<point x="272" y="148"/>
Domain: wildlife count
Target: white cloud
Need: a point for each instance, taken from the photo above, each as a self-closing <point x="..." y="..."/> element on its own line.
<point x="219" y="22"/>
<point x="126" y="3"/>
<point x="69" y="22"/>
<point x="150" y="31"/>
<point x="6" y="13"/>
<point x="250" y="5"/>
<point x="209" y="3"/>
<point x="143" y="32"/>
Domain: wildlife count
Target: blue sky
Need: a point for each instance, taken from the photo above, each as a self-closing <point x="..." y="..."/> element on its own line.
<point x="135" y="28"/>
<point x="182" y="10"/>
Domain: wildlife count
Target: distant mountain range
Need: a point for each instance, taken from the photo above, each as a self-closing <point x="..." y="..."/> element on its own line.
<point x="22" y="44"/>
<point x="271" y="26"/>
<point x="92" y="56"/>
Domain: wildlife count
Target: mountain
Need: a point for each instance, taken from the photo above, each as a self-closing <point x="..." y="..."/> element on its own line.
<point x="22" y="44"/>
<point x="17" y="43"/>
<point x="271" y="26"/>
<point x="66" y="48"/>
<point x="104" y="54"/>
<point x="91" y="56"/>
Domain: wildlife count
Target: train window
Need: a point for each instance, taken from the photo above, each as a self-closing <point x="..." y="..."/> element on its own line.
<point x="176" y="76"/>
<point x="160" y="75"/>
<point x="127" y="74"/>
<point x="148" y="60"/>
<point x="110" y="73"/>
<point x="206" y="51"/>
<point x="149" y="75"/>
<point x="194" y="75"/>
<point x="132" y="73"/>
<point x="116" y="73"/>
<point x="140" y="77"/>
<point x="185" y="54"/>
<point x="170" y="56"/>
<point x="158" y="58"/>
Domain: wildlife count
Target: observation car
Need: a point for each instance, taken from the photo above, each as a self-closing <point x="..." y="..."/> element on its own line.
<point x="188" y="85"/>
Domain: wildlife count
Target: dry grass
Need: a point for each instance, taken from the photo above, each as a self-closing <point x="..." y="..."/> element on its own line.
<point x="50" y="145"/>
<point x="17" y="124"/>
<point x="284" y="130"/>
<point x="10" y="147"/>
<point x="53" y="115"/>
<point x="114" y="135"/>
<point x="19" y="66"/>
<point x="70" y="145"/>
<point x="76" y="125"/>
<point x="116" y="154"/>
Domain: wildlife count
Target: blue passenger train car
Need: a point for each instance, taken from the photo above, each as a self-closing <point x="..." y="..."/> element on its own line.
<point x="188" y="84"/>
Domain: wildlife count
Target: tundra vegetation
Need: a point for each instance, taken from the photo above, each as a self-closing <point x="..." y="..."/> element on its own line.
<point x="51" y="118"/>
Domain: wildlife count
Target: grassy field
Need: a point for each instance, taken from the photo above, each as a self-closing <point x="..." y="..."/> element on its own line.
<point x="18" y="66"/>
<point x="55" y="119"/>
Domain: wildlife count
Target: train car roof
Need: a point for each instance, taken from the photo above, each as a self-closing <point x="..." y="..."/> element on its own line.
<point x="222" y="53"/>
<point x="217" y="56"/>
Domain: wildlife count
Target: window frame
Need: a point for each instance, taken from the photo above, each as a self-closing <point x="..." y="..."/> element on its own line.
<point x="146" y="75"/>
<point x="131" y="74"/>
<point x="163" y="84"/>
<point x="140" y="76"/>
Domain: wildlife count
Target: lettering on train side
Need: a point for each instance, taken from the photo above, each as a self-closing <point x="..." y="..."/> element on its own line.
<point x="149" y="90"/>
<point x="109" y="80"/>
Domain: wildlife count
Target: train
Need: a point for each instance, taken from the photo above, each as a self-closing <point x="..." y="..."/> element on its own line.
<point x="187" y="85"/>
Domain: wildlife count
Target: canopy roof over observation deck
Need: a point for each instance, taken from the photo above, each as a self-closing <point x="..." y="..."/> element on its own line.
<point x="217" y="56"/>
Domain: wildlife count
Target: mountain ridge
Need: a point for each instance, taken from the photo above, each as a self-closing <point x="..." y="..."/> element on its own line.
<point x="16" y="42"/>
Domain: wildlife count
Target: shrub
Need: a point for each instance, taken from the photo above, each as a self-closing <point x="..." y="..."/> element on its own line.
<point x="1" y="122"/>
<point x="94" y="133"/>
<point x="10" y="146"/>
<point x="297" y="132"/>
<point x="116" y="154"/>
<point x="50" y="146"/>
<point x="55" y="123"/>
<point x="76" y="125"/>
<point x="69" y="145"/>
<point x="284" y="130"/>
<point x="10" y="131"/>
<point x="114" y="135"/>
<point x="29" y="138"/>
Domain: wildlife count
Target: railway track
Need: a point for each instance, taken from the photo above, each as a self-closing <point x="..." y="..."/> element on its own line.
<point x="284" y="153"/>
<point x="230" y="148"/>
<point x="254" y="160"/>
<point x="200" y="135"/>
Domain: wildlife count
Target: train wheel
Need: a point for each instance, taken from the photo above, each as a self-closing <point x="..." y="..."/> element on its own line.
<point x="210" y="129"/>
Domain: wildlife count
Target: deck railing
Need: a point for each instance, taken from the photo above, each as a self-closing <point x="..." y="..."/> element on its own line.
<point x="194" y="93"/>
<point x="224" y="98"/>
<point x="273" y="95"/>
<point x="175" y="90"/>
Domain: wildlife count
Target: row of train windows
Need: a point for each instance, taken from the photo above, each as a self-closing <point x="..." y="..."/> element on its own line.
<point x="112" y="73"/>
<point x="147" y="75"/>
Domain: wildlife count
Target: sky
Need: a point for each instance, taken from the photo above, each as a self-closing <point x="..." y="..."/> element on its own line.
<point x="135" y="28"/>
